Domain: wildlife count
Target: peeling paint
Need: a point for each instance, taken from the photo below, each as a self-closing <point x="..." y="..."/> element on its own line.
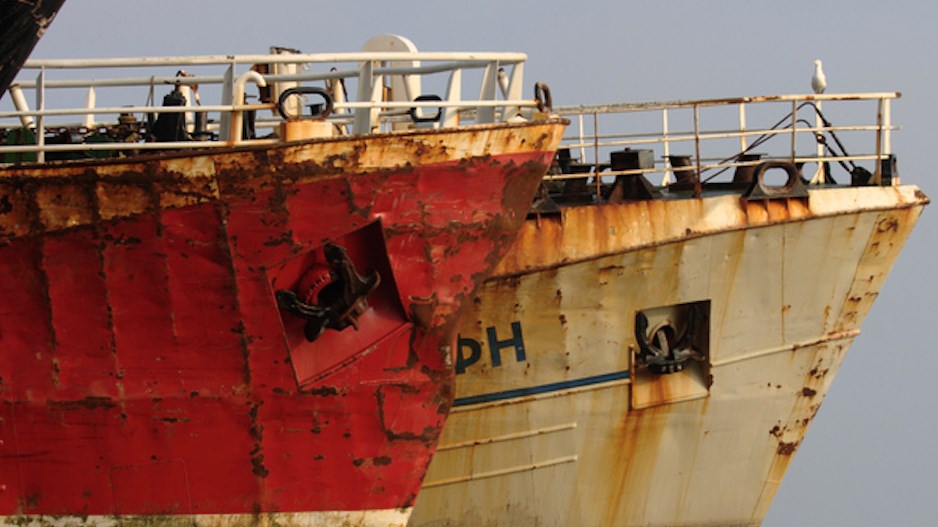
<point x="557" y="438"/>
<point x="153" y="367"/>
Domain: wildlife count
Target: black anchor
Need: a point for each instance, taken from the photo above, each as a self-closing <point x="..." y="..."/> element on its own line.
<point x="340" y="303"/>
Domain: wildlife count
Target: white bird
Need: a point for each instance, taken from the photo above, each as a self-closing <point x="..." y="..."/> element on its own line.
<point x="818" y="81"/>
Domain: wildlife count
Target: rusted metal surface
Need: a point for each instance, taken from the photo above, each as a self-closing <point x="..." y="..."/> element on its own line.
<point x="368" y="518"/>
<point x="555" y="423"/>
<point x="645" y="347"/>
<point x="148" y="372"/>
<point x="627" y="227"/>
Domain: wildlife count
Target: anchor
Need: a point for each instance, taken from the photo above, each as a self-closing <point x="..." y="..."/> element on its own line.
<point x="333" y="294"/>
<point x="665" y="353"/>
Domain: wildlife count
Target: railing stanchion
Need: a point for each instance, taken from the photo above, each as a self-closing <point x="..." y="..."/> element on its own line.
<point x="596" y="156"/>
<point x="40" y="119"/>
<point x="887" y="126"/>
<point x="819" y="175"/>
<point x="878" y="173"/>
<point x="794" y="128"/>
<point x="698" y="187"/>
<point x="667" y="147"/>
<point x="227" y="97"/>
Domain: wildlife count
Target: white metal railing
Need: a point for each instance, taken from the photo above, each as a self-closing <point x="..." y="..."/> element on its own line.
<point x="388" y="90"/>
<point x="718" y="133"/>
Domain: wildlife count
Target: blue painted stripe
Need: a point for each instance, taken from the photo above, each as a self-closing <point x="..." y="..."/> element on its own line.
<point x="544" y="388"/>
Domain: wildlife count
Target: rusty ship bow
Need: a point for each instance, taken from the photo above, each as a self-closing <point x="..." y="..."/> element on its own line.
<point x="244" y="314"/>
<point x="655" y="345"/>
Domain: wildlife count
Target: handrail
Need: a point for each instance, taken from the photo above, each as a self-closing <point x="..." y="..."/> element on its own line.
<point x="466" y="107"/>
<point x="679" y="137"/>
<point x="662" y="105"/>
<point x="293" y="58"/>
<point x="375" y="109"/>
<point x="195" y="80"/>
<point x="806" y="137"/>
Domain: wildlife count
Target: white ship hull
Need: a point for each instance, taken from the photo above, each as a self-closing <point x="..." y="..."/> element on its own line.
<point x="556" y="425"/>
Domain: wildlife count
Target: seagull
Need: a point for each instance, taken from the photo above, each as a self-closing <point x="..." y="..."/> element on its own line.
<point x="818" y="81"/>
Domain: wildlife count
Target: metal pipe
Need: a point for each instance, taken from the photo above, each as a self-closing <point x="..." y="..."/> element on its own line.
<point x="450" y="115"/>
<point x="726" y="134"/>
<point x="506" y="58"/>
<point x="878" y="174"/>
<point x="487" y="92"/>
<point x="658" y="105"/>
<point x="90" y="98"/>
<point x="136" y="109"/>
<point x="237" y="116"/>
<point x="368" y="90"/>
<point x="819" y="175"/>
<point x="667" y="147"/>
<point x="698" y="190"/>
<point x="599" y="194"/>
<point x="887" y="126"/>
<point x="794" y="128"/>
<point x="19" y="102"/>
<point x="40" y="125"/>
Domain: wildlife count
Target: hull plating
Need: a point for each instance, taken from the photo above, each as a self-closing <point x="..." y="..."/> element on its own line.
<point x="555" y="423"/>
<point x="147" y="371"/>
<point x="365" y="518"/>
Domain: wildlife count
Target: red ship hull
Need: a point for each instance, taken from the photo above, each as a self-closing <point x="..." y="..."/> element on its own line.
<point x="147" y="369"/>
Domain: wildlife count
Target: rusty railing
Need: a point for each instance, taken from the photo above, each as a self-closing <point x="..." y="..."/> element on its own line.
<point x="81" y="107"/>
<point x="712" y="140"/>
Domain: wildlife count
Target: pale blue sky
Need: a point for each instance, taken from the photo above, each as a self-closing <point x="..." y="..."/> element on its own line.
<point x="868" y="459"/>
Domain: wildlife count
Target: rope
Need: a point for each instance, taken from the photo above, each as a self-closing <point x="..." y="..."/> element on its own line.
<point x="762" y="139"/>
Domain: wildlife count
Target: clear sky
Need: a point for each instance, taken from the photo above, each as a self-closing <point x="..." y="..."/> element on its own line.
<point x="868" y="459"/>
